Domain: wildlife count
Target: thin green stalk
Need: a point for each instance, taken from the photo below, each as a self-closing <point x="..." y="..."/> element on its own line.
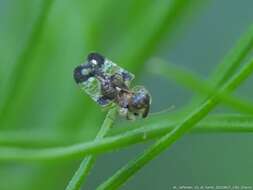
<point x="73" y="114"/>
<point x="32" y="139"/>
<point x="197" y="84"/>
<point x="150" y="32"/>
<point x="122" y="175"/>
<point x="230" y="63"/>
<point x="82" y="172"/>
<point x="234" y="59"/>
<point x="153" y="127"/>
<point x="138" y="132"/>
<point x="23" y="62"/>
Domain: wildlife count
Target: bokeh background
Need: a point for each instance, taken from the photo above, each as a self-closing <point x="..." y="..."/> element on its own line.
<point x="41" y="41"/>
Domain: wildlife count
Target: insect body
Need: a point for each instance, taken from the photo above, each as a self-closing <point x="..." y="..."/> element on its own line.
<point x="107" y="83"/>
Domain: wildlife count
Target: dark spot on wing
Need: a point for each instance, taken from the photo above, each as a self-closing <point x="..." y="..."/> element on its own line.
<point x="78" y="76"/>
<point x="126" y="76"/>
<point x="96" y="56"/>
<point x="102" y="101"/>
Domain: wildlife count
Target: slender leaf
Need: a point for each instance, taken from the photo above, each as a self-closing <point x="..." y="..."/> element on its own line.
<point x="87" y="163"/>
<point x="198" y="85"/>
<point x="129" y="134"/>
<point x="21" y="69"/>
<point x="234" y="58"/>
<point x="153" y="127"/>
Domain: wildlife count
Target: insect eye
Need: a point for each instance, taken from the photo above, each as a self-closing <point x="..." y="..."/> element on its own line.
<point x="96" y="59"/>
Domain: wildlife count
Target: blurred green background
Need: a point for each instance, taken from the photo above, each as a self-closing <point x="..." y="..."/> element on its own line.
<point x="41" y="41"/>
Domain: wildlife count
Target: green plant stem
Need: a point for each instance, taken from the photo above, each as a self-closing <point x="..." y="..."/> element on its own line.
<point x="122" y="175"/>
<point x="154" y="125"/>
<point x="197" y="84"/>
<point x="234" y="59"/>
<point x="230" y="63"/>
<point x="145" y="131"/>
<point x="87" y="163"/>
<point x="32" y="139"/>
<point x="20" y="69"/>
<point x="150" y="32"/>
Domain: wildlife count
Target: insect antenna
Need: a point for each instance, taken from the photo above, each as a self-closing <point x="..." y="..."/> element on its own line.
<point x="172" y="107"/>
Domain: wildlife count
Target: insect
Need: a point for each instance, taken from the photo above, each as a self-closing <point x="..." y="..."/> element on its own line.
<point x="107" y="83"/>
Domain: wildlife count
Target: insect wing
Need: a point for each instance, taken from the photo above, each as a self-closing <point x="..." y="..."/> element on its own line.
<point x="110" y="69"/>
<point x="97" y="72"/>
<point x="92" y="88"/>
<point x="84" y="76"/>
